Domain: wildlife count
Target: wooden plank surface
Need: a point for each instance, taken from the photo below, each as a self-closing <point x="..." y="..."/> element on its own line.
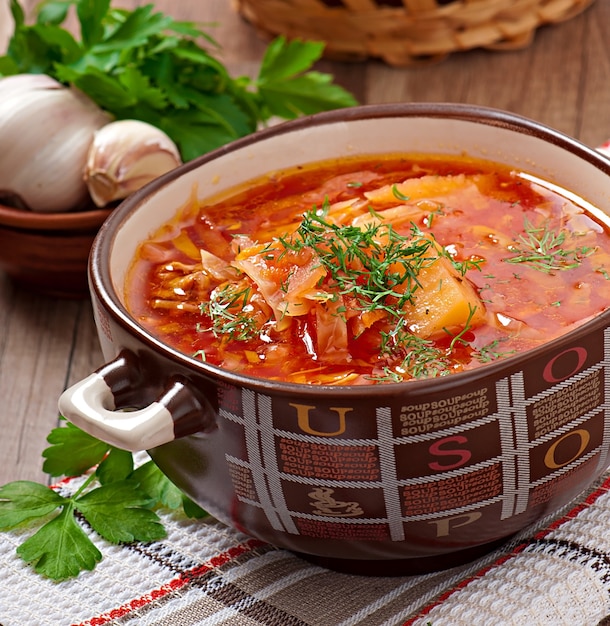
<point x="562" y="80"/>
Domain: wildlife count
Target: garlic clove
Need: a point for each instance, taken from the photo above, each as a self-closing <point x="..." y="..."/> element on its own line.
<point x="45" y="133"/>
<point x="13" y="86"/>
<point x="124" y="156"/>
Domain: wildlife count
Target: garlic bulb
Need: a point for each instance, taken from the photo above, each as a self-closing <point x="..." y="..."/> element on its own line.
<point x="45" y="132"/>
<point x="124" y="156"/>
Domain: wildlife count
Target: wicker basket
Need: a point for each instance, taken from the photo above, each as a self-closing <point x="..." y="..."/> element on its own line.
<point x="404" y="32"/>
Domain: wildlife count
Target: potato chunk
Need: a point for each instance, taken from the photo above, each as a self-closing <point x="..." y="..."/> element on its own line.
<point x="419" y="188"/>
<point x="445" y="300"/>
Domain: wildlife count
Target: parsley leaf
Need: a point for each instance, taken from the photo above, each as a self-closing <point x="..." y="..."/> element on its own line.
<point x="23" y="500"/>
<point x="300" y="95"/>
<point x="72" y="452"/>
<point x="117" y="512"/>
<point x="116" y="466"/>
<point x="284" y="59"/>
<point x="60" y="549"/>
<point x="159" y="487"/>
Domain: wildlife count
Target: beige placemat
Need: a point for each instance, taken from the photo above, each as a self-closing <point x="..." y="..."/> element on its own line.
<point x="203" y="573"/>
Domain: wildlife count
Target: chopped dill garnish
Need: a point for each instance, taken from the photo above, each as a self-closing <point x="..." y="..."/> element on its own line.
<point x="226" y="311"/>
<point x="200" y="354"/>
<point x="604" y="272"/>
<point x="460" y="336"/>
<point x="543" y="249"/>
<point x="429" y="219"/>
<point x="468" y="264"/>
<point x="489" y="352"/>
<point x="395" y="338"/>
<point x="422" y="359"/>
<point x="398" y="194"/>
<point x="388" y="376"/>
<point x="371" y="263"/>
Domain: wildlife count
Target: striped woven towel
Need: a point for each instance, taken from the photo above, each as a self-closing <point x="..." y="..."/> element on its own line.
<point x="556" y="573"/>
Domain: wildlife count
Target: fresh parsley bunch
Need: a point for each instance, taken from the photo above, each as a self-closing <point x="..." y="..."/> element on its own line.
<point x="142" y="64"/>
<point x="116" y="499"/>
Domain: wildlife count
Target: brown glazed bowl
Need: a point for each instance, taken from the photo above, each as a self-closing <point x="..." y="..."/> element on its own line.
<point x="388" y="479"/>
<point x="47" y="253"/>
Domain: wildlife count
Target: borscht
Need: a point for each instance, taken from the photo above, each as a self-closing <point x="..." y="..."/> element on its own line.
<point x="372" y="270"/>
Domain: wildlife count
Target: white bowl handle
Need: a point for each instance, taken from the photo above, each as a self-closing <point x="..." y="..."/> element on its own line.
<point x="91" y="405"/>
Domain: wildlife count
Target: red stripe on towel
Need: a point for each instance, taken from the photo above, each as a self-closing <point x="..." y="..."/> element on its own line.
<point x="172" y="585"/>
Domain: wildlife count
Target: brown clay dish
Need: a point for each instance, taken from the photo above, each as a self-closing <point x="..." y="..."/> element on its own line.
<point x="48" y="252"/>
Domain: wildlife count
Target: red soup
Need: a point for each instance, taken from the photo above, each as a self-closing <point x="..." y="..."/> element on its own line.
<point x="373" y="270"/>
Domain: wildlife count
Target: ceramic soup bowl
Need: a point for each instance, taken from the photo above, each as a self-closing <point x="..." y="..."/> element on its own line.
<point x="394" y="478"/>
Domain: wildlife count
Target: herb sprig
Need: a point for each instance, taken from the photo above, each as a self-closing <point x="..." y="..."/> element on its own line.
<point x="423" y="358"/>
<point x="142" y="64"/>
<point x="544" y="249"/>
<point x="116" y="499"/>
<point x="373" y="263"/>
<point x="490" y="352"/>
<point x="228" y="310"/>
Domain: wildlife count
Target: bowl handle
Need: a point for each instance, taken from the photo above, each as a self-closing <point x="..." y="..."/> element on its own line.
<point x="91" y="404"/>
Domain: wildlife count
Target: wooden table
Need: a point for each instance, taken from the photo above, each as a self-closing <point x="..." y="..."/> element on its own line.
<point x="562" y="80"/>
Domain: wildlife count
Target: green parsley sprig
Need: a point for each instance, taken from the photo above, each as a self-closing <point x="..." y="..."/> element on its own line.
<point x="116" y="500"/>
<point x="142" y="64"/>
